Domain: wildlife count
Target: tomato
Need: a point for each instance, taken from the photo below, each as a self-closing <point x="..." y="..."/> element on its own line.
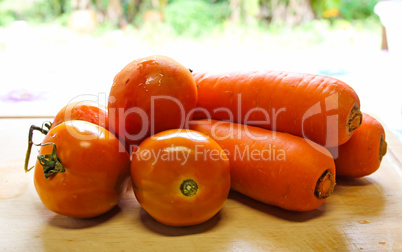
<point x="180" y="177"/>
<point x="91" y="172"/>
<point x="83" y="110"/>
<point x="150" y="95"/>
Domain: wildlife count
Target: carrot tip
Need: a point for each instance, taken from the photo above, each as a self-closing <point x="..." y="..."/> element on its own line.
<point x="383" y="148"/>
<point x="325" y="185"/>
<point x="355" y="119"/>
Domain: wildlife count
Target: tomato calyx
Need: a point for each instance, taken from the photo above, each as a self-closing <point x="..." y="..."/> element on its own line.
<point x="188" y="187"/>
<point x="50" y="162"/>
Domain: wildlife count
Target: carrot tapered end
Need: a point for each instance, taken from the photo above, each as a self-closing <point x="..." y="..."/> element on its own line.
<point x="325" y="185"/>
<point x="355" y="119"/>
<point x="383" y="148"/>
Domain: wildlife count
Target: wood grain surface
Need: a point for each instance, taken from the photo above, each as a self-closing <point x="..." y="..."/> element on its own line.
<point x="362" y="215"/>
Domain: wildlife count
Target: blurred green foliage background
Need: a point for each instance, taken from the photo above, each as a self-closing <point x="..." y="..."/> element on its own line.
<point x="187" y="18"/>
<point x="274" y="24"/>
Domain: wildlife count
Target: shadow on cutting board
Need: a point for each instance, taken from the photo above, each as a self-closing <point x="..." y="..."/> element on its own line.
<point x="66" y="222"/>
<point x="345" y="181"/>
<point x="165" y="230"/>
<point x="277" y="211"/>
<point x="360" y="196"/>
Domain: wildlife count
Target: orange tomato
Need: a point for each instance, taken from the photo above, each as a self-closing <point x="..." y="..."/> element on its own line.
<point x="82" y="170"/>
<point x="83" y="110"/>
<point x="150" y="95"/>
<point x="180" y="177"/>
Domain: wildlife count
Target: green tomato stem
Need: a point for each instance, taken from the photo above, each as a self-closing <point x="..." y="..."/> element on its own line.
<point x="44" y="130"/>
<point x="188" y="187"/>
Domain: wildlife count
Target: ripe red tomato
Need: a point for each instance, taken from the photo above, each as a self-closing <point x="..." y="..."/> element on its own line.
<point x="83" y="110"/>
<point x="180" y="177"/>
<point x="83" y="170"/>
<point x="150" y="95"/>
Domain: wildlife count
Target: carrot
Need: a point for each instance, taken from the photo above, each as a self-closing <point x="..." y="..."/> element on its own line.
<point x="363" y="153"/>
<point x="272" y="167"/>
<point x="322" y="109"/>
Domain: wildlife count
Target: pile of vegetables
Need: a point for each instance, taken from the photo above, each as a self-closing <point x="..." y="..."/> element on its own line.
<point x="185" y="139"/>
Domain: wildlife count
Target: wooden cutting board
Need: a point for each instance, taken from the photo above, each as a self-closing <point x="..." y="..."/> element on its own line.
<point x="362" y="215"/>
